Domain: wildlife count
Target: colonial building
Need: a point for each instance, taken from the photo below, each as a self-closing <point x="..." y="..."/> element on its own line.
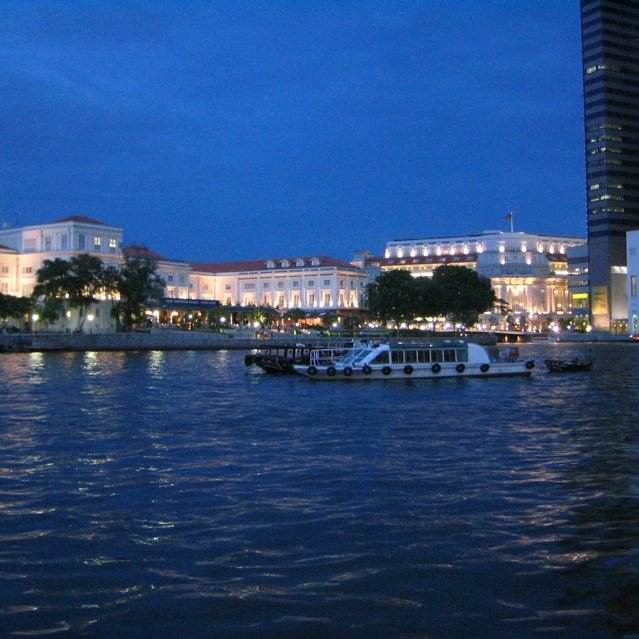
<point x="310" y="283"/>
<point x="529" y="272"/>
<point x="24" y="249"/>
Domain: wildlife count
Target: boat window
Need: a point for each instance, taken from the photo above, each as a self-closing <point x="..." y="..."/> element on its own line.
<point x="462" y="354"/>
<point x="436" y="356"/>
<point x="397" y="357"/>
<point x="410" y="357"/>
<point x="424" y="357"/>
<point x="382" y="358"/>
<point x="449" y="355"/>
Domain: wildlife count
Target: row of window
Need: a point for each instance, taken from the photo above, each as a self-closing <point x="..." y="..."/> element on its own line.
<point x="422" y="356"/>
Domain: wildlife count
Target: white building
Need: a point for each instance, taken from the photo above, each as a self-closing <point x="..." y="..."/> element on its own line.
<point x="528" y="271"/>
<point x="310" y="283"/>
<point x="632" y="254"/>
<point x="23" y="251"/>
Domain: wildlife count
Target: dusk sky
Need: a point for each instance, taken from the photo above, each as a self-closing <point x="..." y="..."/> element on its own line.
<point x="215" y="131"/>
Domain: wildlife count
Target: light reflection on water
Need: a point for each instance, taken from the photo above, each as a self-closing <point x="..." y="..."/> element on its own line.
<point x="143" y="494"/>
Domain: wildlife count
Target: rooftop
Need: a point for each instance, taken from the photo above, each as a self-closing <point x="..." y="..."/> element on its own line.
<point x="81" y="219"/>
<point x="272" y="264"/>
<point x="139" y="250"/>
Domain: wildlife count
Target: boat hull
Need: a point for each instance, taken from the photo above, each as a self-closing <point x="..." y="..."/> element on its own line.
<point x="393" y="373"/>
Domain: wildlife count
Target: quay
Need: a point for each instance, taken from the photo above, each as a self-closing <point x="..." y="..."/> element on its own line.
<point x="175" y="340"/>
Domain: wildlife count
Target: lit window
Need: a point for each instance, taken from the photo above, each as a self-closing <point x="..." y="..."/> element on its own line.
<point x="502" y="248"/>
<point x="633" y="286"/>
<point x="97" y="241"/>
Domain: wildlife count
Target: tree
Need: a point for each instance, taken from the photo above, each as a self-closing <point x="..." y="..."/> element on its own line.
<point x="86" y="282"/>
<point x="462" y="293"/>
<point x="75" y="283"/>
<point x="139" y="286"/>
<point x="393" y="296"/>
<point x="12" y="307"/>
<point x="53" y="285"/>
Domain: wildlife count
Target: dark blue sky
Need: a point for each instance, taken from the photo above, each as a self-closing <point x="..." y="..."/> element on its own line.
<point x="231" y="130"/>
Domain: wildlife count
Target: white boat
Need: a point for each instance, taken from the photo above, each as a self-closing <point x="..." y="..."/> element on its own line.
<point x="416" y="361"/>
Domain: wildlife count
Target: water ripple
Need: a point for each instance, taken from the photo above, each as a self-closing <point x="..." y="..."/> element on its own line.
<point x="158" y="494"/>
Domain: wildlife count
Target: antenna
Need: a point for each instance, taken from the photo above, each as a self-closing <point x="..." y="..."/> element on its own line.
<point x="509" y="218"/>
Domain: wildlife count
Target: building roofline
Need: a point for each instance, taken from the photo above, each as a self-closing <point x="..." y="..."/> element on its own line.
<point x="488" y="233"/>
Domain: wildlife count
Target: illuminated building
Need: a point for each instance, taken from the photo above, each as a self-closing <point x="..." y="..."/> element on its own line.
<point x="528" y="272"/>
<point x="610" y="47"/>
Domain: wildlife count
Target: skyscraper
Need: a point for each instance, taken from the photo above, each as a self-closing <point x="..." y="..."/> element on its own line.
<point x="610" y="49"/>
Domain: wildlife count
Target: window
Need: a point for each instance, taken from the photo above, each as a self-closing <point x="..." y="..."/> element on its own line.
<point x="64" y="242"/>
<point x="280" y="285"/>
<point x="265" y="285"/>
<point x="169" y="278"/>
<point x="5" y="268"/>
<point x="382" y="358"/>
<point x="182" y="279"/>
<point x="27" y="269"/>
<point x="310" y="283"/>
<point x="205" y="287"/>
<point x="423" y="356"/>
<point x="97" y="243"/>
<point x="327" y="282"/>
<point x="81" y="241"/>
<point x="47" y="242"/>
<point x="113" y="245"/>
<point x="410" y="357"/>
<point x="296" y="283"/>
<point x="436" y="356"/>
<point x="249" y="286"/>
<point x="633" y="286"/>
<point x="227" y="287"/>
<point x="397" y="357"/>
<point x="449" y="355"/>
<point x="327" y="299"/>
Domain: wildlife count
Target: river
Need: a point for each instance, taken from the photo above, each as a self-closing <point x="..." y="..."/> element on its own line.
<point x="180" y="494"/>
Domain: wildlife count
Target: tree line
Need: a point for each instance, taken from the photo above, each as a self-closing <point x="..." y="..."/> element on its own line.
<point x="455" y="292"/>
<point x="83" y="280"/>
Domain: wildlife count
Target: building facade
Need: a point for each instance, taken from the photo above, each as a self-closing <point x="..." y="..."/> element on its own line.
<point x="309" y="283"/>
<point x="317" y="283"/>
<point x="632" y="246"/>
<point x="528" y="272"/>
<point x="610" y="49"/>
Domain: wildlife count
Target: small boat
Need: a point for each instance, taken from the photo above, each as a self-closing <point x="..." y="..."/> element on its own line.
<point x="574" y="365"/>
<point x="282" y="357"/>
<point x="415" y="361"/>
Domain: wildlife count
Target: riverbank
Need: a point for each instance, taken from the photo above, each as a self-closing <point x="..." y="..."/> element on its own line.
<point x="171" y="340"/>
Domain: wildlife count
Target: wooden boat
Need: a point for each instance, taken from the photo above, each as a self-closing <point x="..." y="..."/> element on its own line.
<point x="282" y="357"/>
<point x="574" y="365"/>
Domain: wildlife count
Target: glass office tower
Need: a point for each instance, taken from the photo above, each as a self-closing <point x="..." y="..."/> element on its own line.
<point x="610" y="48"/>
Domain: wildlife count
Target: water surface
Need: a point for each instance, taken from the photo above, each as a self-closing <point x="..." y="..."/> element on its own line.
<point x="183" y="495"/>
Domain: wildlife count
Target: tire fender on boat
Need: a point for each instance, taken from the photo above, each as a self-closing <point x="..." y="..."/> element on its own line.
<point x="387" y="370"/>
<point x="484" y="368"/>
<point x="367" y="370"/>
<point x="460" y="368"/>
<point x="408" y="369"/>
<point x="330" y="371"/>
<point x="312" y="371"/>
<point x="348" y="371"/>
<point x="436" y="368"/>
<point x="530" y="365"/>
